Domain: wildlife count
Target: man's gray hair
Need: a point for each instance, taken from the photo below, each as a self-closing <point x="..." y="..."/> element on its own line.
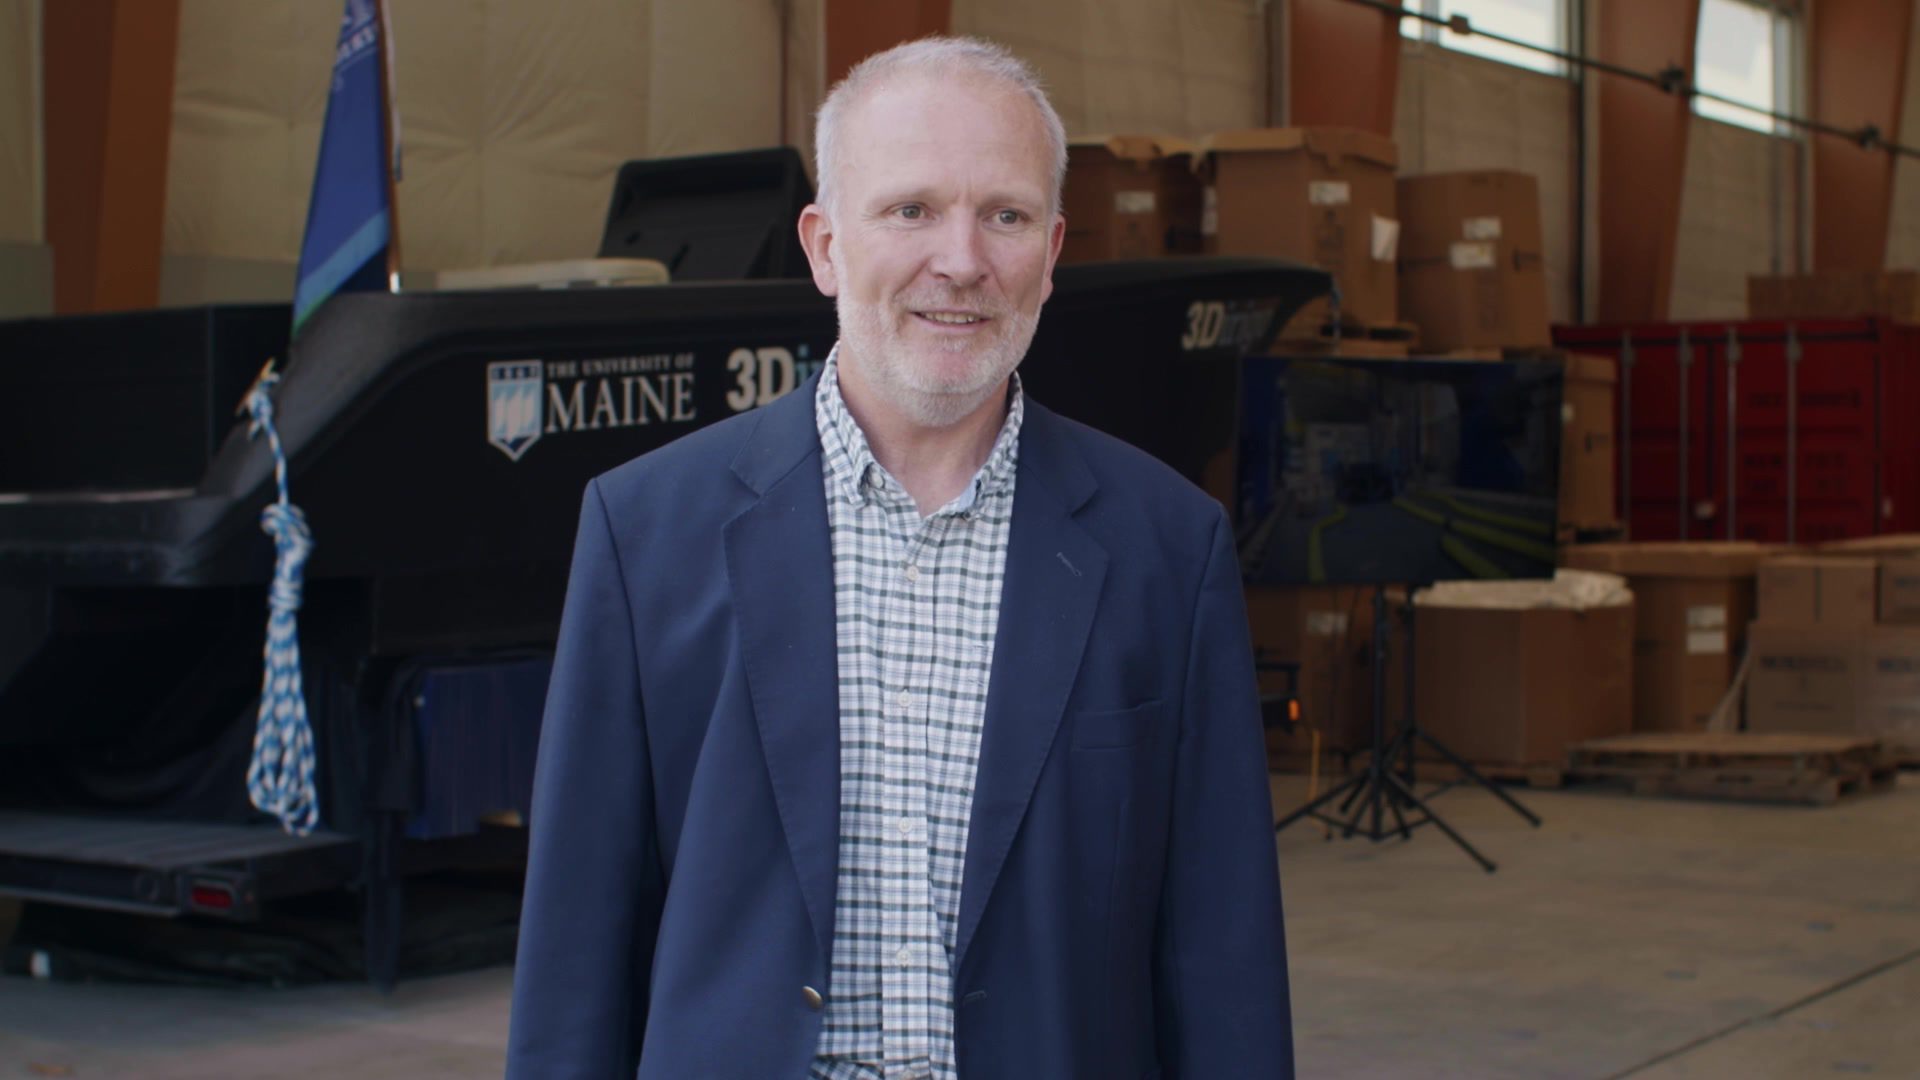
<point x="930" y="56"/>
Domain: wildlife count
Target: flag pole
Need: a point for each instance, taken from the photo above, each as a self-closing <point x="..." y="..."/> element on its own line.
<point x="389" y="123"/>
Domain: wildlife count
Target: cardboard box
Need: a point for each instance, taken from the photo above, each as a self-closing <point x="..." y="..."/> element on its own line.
<point x="1802" y="680"/>
<point x="1519" y="686"/>
<point x="1323" y="196"/>
<point x="1899" y="558"/>
<point x="1328" y="631"/>
<point x="1472" y="260"/>
<point x="1805" y="679"/>
<point x="1836" y="294"/>
<point x="1130" y="197"/>
<point x="1833" y="591"/>
<point x="1589" y="458"/>
<point x="1692" y="604"/>
<point x="1889" y="544"/>
<point x="1900" y="590"/>
<point x="1889" y="695"/>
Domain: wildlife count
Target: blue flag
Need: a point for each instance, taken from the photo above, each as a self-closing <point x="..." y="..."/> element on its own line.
<point x="349" y="219"/>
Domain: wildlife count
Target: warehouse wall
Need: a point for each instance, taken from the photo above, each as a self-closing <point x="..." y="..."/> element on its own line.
<point x="1737" y="211"/>
<point x="1144" y="66"/>
<point x="26" y="265"/>
<point x="513" y="120"/>
<point x="1457" y="112"/>
<point x="1737" y="217"/>
<point x="513" y="123"/>
<point x="1903" y="243"/>
<point x="20" y="142"/>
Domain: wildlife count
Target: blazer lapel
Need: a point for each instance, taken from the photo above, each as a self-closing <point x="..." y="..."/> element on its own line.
<point x="1047" y="600"/>
<point x="780" y="568"/>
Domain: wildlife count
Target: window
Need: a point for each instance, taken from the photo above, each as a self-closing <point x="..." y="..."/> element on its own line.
<point x="1745" y="53"/>
<point x="1536" y="22"/>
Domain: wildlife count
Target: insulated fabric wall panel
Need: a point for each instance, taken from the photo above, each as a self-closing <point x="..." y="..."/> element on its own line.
<point x="1457" y="112"/>
<point x="513" y="120"/>
<point x="1727" y="212"/>
<point x="1136" y="66"/>
<point x="806" y="61"/>
<point x="567" y="102"/>
<point x="249" y="91"/>
<point x="440" y="80"/>
<point x="1903" y="229"/>
<point x="714" y="84"/>
<point x="21" y="165"/>
<point x="514" y="117"/>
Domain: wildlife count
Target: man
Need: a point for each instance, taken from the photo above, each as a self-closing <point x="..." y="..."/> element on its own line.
<point x="901" y="728"/>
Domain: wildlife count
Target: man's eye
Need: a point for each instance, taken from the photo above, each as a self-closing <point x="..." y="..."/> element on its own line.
<point x="912" y="213"/>
<point x="1008" y="217"/>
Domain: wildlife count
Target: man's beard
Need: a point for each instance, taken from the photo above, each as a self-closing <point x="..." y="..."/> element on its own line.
<point x="887" y="361"/>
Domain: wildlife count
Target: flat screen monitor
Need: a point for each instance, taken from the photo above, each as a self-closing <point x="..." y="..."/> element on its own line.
<point x="1397" y="471"/>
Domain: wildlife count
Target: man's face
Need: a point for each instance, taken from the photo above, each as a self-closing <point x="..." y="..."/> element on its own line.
<point x="941" y="248"/>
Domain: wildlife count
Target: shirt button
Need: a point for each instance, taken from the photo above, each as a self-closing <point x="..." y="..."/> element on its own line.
<point x="913" y="573"/>
<point x="906" y="826"/>
<point x="903" y="700"/>
<point x="904" y="956"/>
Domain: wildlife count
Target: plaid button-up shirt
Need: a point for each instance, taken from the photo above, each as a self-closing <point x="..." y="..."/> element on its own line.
<point x="917" y="602"/>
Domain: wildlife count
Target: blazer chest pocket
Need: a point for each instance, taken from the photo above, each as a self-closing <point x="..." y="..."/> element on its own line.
<point x="1116" y="729"/>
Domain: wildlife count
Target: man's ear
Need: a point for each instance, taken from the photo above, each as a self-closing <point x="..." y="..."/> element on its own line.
<point x="1055" y="237"/>
<point x="816" y="238"/>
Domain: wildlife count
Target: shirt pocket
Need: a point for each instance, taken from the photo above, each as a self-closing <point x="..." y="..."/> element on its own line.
<point x="1116" y="729"/>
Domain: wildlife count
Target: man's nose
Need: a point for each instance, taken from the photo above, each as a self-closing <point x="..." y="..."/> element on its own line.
<point x="960" y="255"/>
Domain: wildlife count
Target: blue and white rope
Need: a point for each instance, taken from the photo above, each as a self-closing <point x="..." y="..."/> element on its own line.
<point x="280" y="777"/>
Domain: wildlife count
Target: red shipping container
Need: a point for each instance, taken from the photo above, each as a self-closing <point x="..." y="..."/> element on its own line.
<point x="1764" y="429"/>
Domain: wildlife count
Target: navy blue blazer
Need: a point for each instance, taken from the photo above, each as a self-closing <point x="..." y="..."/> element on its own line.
<point x="1120" y="906"/>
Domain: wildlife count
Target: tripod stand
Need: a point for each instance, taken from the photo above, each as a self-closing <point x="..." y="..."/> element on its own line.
<point x="1378" y="789"/>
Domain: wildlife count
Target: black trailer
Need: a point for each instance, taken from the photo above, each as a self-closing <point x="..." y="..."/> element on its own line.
<point x="439" y="444"/>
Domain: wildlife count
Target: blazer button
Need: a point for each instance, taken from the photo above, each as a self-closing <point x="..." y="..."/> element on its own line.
<point x="814" y="1000"/>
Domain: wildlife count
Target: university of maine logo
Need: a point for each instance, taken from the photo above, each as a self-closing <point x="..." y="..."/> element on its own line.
<point x="514" y="405"/>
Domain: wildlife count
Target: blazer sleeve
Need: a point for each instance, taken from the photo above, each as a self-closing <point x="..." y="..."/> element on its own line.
<point x="1220" y="961"/>
<point x="594" y="883"/>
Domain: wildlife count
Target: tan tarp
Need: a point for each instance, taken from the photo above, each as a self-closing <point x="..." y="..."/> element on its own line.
<point x="1457" y="112"/>
<point x="514" y="116"/>
<point x="1136" y="66"/>
<point x="21" y="207"/>
<point x="1903" y="240"/>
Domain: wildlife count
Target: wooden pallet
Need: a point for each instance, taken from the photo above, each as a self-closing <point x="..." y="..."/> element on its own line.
<point x="1809" y="769"/>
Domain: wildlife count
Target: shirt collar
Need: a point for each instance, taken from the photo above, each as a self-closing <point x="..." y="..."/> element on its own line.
<point x="850" y="459"/>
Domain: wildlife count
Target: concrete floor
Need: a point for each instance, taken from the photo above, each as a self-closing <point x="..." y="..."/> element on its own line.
<point x="1629" y="937"/>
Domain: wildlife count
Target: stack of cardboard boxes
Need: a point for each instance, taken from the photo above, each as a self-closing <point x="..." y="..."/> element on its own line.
<point x="1692" y="604"/>
<point x="1836" y="647"/>
<point x="1461" y="254"/>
